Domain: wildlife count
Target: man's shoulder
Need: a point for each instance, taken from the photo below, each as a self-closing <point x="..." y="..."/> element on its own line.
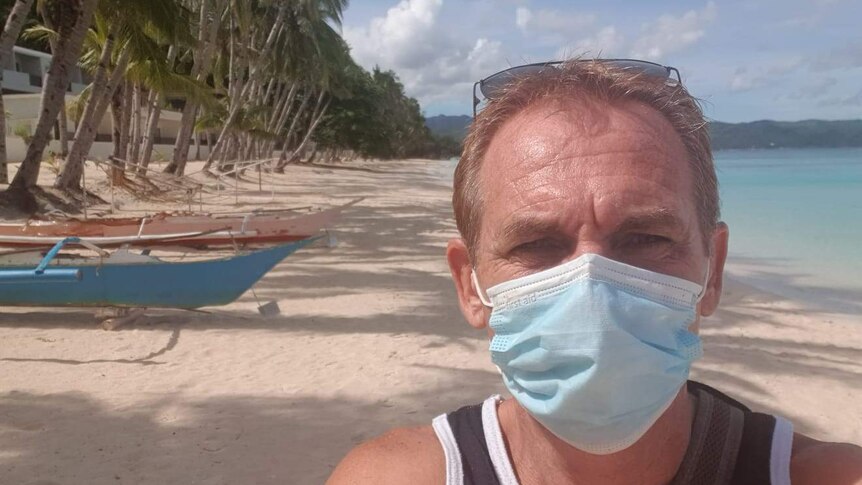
<point x="399" y="456"/>
<point x="816" y="462"/>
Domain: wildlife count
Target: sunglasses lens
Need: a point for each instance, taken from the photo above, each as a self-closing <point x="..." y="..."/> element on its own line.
<point x="647" y="69"/>
<point x="493" y="84"/>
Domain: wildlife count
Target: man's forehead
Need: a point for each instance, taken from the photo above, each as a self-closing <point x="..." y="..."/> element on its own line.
<point x="625" y="154"/>
<point x="556" y="130"/>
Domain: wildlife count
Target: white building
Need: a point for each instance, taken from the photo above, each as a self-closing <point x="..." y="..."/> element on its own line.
<point x="23" y="76"/>
<point x="25" y="71"/>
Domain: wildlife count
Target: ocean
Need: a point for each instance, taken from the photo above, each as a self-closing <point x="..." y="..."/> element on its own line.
<point x="795" y="219"/>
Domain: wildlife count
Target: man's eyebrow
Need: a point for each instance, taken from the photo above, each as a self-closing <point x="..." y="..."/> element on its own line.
<point x="655" y="218"/>
<point x="527" y="226"/>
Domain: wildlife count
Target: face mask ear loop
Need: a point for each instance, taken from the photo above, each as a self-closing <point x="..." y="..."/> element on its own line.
<point x="705" y="283"/>
<point x="479" y="291"/>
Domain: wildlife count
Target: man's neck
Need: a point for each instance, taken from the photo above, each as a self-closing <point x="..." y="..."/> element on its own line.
<point x="538" y="456"/>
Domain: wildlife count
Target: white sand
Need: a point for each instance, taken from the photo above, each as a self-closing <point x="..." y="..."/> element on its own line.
<point x="369" y="338"/>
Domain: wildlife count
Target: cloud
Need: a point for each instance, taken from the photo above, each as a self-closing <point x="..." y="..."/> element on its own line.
<point x="846" y="57"/>
<point x="552" y="21"/>
<point x="607" y="42"/>
<point x="745" y="79"/>
<point x="816" y="89"/>
<point x="404" y="37"/>
<point x="843" y="101"/>
<point x="432" y="63"/>
<point x="669" y="34"/>
<point x="742" y="80"/>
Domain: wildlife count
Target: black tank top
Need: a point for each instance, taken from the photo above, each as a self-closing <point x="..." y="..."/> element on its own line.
<point x="729" y="445"/>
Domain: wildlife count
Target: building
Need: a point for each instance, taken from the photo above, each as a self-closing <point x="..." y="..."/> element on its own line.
<point x="25" y="71"/>
<point x="23" y="77"/>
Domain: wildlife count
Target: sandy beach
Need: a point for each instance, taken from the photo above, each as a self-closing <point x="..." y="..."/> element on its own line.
<point x="369" y="337"/>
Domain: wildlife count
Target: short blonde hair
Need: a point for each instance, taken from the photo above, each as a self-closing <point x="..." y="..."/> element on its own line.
<point x="593" y="80"/>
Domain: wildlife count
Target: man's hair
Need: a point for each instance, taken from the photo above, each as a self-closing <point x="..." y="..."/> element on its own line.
<point x="590" y="81"/>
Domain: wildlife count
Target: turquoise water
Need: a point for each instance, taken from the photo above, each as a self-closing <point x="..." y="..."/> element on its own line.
<point x="798" y="213"/>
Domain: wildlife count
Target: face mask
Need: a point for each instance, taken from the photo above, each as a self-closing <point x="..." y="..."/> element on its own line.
<point x="595" y="350"/>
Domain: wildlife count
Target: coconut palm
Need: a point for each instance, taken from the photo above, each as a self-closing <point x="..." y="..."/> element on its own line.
<point x="124" y="32"/>
<point x="72" y="19"/>
<point x="14" y="22"/>
<point x="266" y="57"/>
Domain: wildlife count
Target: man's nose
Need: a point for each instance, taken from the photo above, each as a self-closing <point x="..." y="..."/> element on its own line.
<point x="592" y="246"/>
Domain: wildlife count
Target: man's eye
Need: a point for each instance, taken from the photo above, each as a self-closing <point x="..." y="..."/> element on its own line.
<point x="647" y="240"/>
<point x="538" y="245"/>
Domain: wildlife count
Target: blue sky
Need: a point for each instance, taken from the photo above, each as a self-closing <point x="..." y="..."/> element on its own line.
<point x="747" y="60"/>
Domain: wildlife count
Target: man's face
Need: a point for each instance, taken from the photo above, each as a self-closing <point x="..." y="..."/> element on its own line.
<point x="560" y="180"/>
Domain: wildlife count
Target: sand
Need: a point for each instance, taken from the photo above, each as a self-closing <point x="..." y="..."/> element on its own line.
<point x="369" y="337"/>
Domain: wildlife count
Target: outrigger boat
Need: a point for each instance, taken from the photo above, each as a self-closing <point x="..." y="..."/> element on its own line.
<point x="126" y="279"/>
<point x="191" y="231"/>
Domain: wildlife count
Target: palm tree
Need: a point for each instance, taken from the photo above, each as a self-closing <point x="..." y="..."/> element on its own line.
<point x="210" y="13"/>
<point x="72" y="19"/>
<point x="125" y="32"/>
<point x="14" y="22"/>
<point x="289" y="45"/>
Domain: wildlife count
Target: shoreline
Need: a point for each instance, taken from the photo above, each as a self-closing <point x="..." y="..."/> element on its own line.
<point x="370" y="337"/>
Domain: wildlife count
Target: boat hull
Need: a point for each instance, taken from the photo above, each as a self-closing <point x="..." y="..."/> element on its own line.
<point x="165" y="230"/>
<point x="154" y="285"/>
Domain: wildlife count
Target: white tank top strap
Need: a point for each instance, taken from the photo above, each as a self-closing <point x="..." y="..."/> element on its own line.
<point x="782" y="446"/>
<point x="496" y="445"/>
<point x="454" y="469"/>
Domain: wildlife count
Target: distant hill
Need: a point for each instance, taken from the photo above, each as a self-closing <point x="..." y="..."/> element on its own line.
<point x="756" y="134"/>
<point x="786" y="134"/>
<point x="451" y="126"/>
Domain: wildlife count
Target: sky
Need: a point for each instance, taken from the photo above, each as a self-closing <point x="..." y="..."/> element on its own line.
<point x="746" y="60"/>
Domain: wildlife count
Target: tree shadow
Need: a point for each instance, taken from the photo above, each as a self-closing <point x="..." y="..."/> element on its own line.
<point x="176" y="439"/>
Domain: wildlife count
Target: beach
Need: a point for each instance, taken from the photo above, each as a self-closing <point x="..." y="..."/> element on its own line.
<point x="369" y="338"/>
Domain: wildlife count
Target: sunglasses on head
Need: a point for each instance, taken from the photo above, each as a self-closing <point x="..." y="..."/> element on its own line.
<point x="493" y="84"/>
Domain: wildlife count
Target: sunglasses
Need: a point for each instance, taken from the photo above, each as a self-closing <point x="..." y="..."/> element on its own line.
<point x="493" y="84"/>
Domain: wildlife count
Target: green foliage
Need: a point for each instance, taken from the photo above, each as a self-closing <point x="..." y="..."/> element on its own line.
<point x="378" y="120"/>
<point x="24" y="132"/>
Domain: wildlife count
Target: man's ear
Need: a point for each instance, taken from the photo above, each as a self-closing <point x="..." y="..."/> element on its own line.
<point x="716" y="270"/>
<point x="461" y="268"/>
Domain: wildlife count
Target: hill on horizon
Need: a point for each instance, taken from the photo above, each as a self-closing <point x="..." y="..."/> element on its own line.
<point x="726" y="136"/>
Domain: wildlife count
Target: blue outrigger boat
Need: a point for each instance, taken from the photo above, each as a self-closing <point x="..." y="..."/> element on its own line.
<point x="125" y="279"/>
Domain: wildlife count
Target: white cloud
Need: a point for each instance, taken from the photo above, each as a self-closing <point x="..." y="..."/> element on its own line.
<point x="432" y="63"/>
<point x="818" y="88"/>
<point x="405" y="37"/>
<point x="607" y="42"/>
<point x="848" y="56"/>
<point x="745" y="79"/>
<point x="669" y="34"/>
<point x="742" y="80"/>
<point x="547" y="21"/>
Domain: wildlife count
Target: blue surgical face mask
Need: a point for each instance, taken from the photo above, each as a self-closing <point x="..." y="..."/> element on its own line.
<point x="595" y="350"/>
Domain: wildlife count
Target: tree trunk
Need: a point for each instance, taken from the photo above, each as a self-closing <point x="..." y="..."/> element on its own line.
<point x="124" y="91"/>
<point x="135" y="137"/>
<point x="63" y="122"/>
<point x="14" y="22"/>
<point x="155" y="101"/>
<point x="207" y="32"/>
<point x="71" y="37"/>
<point x="197" y="145"/>
<point x="240" y="95"/>
<point x="282" y="159"/>
<point x="319" y="112"/>
<point x="70" y="177"/>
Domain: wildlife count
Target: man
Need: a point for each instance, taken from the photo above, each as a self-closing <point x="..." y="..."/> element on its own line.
<point x="591" y="246"/>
